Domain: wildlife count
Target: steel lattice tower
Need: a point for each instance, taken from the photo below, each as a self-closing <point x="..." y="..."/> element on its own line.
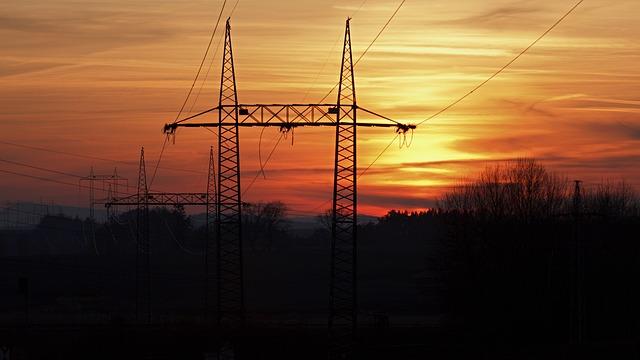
<point x="229" y="206"/>
<point x="343" y="299"/>
<point x="143" y="255"/>
<point x="341" y="116"/>
<point x="210" y="247"/>
<point x="143" y="200"/>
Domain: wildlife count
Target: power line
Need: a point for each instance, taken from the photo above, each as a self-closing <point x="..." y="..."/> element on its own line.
<point x="195" y="80"/>
<point x="379" y="33"/>
<point x="363" y="171"/>
<point x="56" y="171"/>
<point x="203" y="60"/>
<point x="482" y="83"/>
<point x="359" y="8"/>
<point x="324" y="65"/>
<point x="379" y="156"/>
<point x="326" y="60"/>
<point x="40" y="168"/>
<point x="369" y="46"/>
<point x="51" y="180"/>
<point x="155" y="170"/>
<point x="206" y="76"/>
<point x="183" y="248"/>
<point x="90" y="157"/>
<point x="234" y="8"/>
<point x="213" y="57"/>
<point x="505" y="66"/>
<point x="263" y="165"/>
<point x="334" y="87"/>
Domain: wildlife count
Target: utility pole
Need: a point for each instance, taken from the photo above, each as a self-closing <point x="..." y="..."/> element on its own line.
<point x="577" y="325"/>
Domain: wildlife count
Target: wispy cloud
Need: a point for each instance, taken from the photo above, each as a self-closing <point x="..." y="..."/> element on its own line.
<point x="101" y="78"/>
<point x="500" y="16"/>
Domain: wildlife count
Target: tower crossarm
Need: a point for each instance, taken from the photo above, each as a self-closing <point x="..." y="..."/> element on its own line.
<point x="158" y="199"/>
<point x="286" y="116"/>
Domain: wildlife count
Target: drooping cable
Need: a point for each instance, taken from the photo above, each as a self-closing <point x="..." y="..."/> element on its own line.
<point x="155" y="169"/>
<point x="206" y="53"/>
<point x="265" y="164"/>
<point x="505" y="66"/>
<point x="329" y="54"/>
<point x="40" y="168"/>
<point x="173" y="237"/>
<point x="260" y="153"/>
<point x="50" y="180"/>
<point x="368" y="47"/>
<point x="484" y="82"/>
<point x="213" y="34"/>
<point x="213" y="57"/>
<point x="89" y="157"/>
<point x="379" y="156"/>
<point x="17" y="163"/>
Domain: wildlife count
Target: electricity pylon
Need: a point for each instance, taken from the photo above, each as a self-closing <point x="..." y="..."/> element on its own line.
<point x="210" y="250"/>
<point x="144" y="199"/>
<point x="229" y="208"/>
<point x="343" y="287"/>
<point x="342" y="116"/>
<point x="143" y="254"/>
<point x="109" y="183"/>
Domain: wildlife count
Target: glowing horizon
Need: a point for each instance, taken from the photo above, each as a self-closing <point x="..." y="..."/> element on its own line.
<point x="102" y="78"/>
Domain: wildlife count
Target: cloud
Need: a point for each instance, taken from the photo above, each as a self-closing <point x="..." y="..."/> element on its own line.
<point x="458" y="163"/>
<point x="501" y="16"/>
<point x="501" y="144"/>
<point x="606" y="105"/>
<point x="58" y="34"/>
<point x="613" y="131"/>
<point x="104" y="76"/>
<point x="10" y="67"/>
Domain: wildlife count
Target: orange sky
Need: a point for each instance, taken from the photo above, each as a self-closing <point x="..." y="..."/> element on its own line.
<point x="100" y="78"/>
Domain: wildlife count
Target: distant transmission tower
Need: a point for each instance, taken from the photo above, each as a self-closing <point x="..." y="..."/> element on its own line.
<point x="103" y="183"/>
<point x="143" y="253"/>
<point x="142" y="201"/>
<point x="210" y="248"/>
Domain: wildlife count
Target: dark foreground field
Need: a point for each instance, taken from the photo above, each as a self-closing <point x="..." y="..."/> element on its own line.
<point x="517" y="265"/>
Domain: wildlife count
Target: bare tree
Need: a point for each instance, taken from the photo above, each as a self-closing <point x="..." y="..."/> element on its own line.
<point x="263" y="222"/>
<point x="611" y="199"/>
<point x="522" y="189"/>
<point x="325" y="219"/>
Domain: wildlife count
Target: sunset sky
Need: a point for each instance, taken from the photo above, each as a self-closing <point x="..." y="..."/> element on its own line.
<point x="100" y="78"/>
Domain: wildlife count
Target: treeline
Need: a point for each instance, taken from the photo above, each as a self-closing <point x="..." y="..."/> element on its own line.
<point x="518" y="255"/>
<point x="528" y="257"/>
<point x="171" y="231"/>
